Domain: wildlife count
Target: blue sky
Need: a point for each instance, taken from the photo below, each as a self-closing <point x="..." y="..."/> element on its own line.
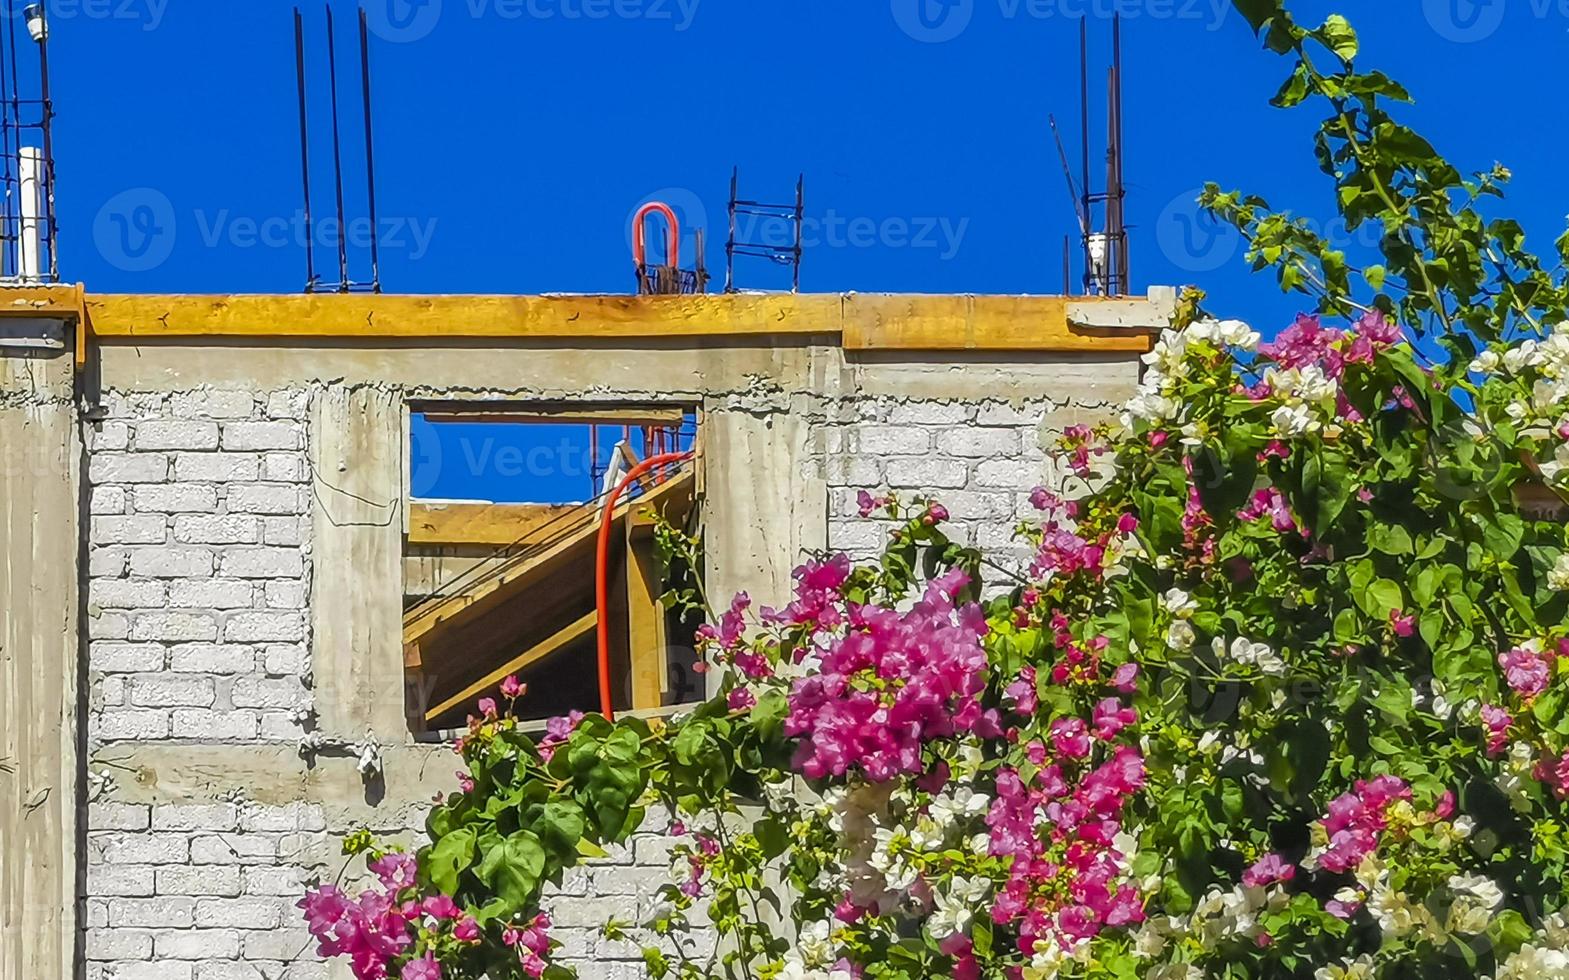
<point x="515" y="137"/>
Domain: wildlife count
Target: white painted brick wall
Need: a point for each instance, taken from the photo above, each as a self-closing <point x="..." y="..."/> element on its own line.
<point x="199" y="631"/>
<point x="980" y="459"/>
<point x="198" y="566"/>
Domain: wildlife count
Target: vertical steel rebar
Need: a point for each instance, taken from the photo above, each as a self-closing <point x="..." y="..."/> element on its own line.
<point x="305" y="153"/>
<point x="370" y="158"/>
<point x="800" y="224"/>
<point x="51" y="232"/>
<point x="337" y="156"/>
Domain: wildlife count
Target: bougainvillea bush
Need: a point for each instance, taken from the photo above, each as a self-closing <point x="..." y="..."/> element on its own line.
<point x="1281" y="693"/>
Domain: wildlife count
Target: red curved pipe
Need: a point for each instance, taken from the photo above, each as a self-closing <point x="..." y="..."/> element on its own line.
<point x="602" y="570"/>
<point x="672" y="234"/>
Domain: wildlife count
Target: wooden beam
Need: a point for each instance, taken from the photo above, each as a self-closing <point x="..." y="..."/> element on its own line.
<point x="862" y="322"/>
<point x="980" y="323"/>
<point x="521" y="575"/>
<point x="646" y="641"/>
<point x="437" y="318"/>
<point x="555" y="414"/>
<point x="487" y="525"/>
<point x="539" y="651"/>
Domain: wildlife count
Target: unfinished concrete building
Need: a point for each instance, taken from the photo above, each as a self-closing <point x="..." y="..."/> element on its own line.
<point x="232" y="633"/>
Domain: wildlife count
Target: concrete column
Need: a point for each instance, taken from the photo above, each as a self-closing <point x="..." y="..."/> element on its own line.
<point x="357" y="445"/>
<point x="766" y="503"/>
<point x="40" y="501"/>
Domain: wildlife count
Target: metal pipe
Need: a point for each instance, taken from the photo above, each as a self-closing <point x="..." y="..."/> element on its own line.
<point x="602" y="572"/>
<point x="30" y="174"/>
<point x="672" y="234"/>
<point x="51" y="232"/>
<point x="1084" y="142"/>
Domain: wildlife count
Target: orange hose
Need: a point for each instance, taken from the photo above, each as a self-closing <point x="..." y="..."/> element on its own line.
<point x="602" y="571"/>
<point x="672" y="234"/>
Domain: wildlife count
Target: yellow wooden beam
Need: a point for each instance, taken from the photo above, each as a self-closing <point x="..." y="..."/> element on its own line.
<point x="521" y="662"/>
<point x="978" y="323"/>
<point x="460" y="317"/>
<point x="557" y="414"/>
<point x="512" y="579"/>
<point x="61" y="301"/>
<point x="646" y="642"/>
<point x="863" y="322"/>
<point x="487" y="525"/>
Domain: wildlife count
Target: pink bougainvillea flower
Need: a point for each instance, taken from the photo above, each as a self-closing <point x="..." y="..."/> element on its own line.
<point x="1111" y="717"/>
<point x="487" y="707"/>
<point x="466" y="931"/>
<point x="1022" y="691"/>
<point x="465" y="781"/>
<point x="1307" y="342"/>
<point x="1402" y="623"/>
<point x="1498" y="722"/>
<point x="424" y="968"/>
<point x="930" y="670"/>
<point x="441" y="907"/>
<point x="397" y="871"/>
<point x="512" y="689"/>
<point x="1070" y="737"/>
<point x="1269" y="870"/>
<point x="1527" y="672"/>
<point x="936" y="514"/>
<point x="1554" y="773"/>
<point x="740" y="699"/>
<point x="1126" y="678"/>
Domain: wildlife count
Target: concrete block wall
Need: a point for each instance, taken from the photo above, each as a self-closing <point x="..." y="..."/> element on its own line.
<point x="980" y="458"/>
<point x="199" y="558"/>
<point x="205" y="668"/>
<point x="199" y="565"/>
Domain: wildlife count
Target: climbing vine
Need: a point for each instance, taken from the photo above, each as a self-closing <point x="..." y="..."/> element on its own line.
<point x="1279" y="694"/>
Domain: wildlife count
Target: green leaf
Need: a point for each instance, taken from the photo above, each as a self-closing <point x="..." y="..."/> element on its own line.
<point x="560" y="826"/>
<point x="514" y="869"/>
<point x="1339" y="36"/>
<point x="449" y="858"/>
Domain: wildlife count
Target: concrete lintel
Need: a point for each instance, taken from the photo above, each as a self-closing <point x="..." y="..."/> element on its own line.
<point x="1152" y="313"/>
